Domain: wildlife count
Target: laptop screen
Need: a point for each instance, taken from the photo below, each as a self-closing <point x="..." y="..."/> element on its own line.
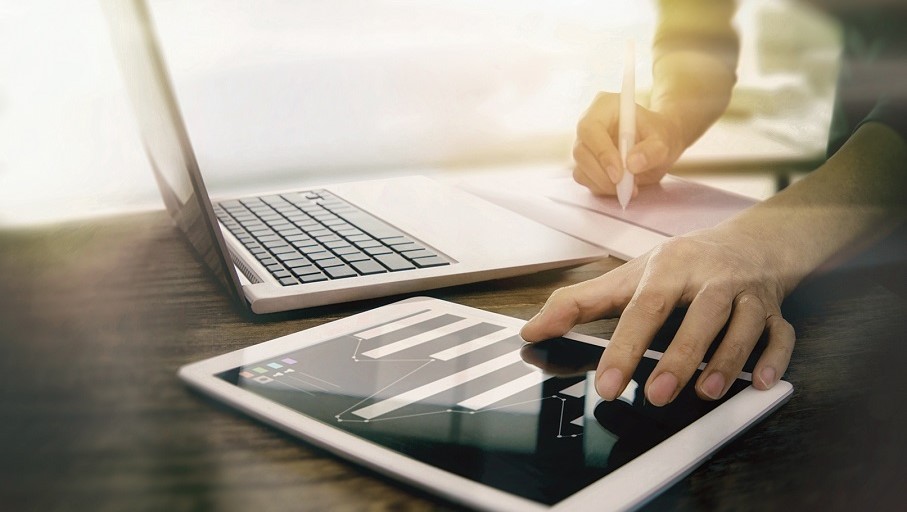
<point x="164" y="136"/>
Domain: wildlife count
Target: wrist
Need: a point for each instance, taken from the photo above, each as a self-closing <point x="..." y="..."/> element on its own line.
<point x="763" y="240"/>
<point x="677" y="122"/>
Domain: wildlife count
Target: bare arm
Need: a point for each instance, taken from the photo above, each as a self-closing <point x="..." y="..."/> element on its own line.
<point x="856" y="197"/>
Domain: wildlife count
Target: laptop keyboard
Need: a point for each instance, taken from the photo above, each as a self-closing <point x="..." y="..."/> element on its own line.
<point x="313" y="236"/>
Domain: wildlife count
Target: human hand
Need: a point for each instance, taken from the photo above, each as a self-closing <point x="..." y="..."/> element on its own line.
<point x="723" y="279"/>
<point x="598" y="164"/>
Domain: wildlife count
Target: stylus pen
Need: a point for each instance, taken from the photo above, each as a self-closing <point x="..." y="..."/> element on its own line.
<point x="626" y="131"/>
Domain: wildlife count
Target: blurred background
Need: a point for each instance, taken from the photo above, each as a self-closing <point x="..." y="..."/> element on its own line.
<point x="282" y="93"/>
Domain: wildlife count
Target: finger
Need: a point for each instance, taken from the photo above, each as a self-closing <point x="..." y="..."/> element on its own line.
<point x="774" y="360"/>
<point x="647" y="155"/>
<point x="644" y="315"/>
<point x="595" y="131"/>
<point x="747" y="324"/>
<point x="588" y="172"/>
<point x="708" y="313"/>
<point x="580" y="303"/>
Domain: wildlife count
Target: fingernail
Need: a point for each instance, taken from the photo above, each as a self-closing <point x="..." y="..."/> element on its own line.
<point x="636" y="162"/>
<point x="713" y="386"/>
<point x="662" y="389"/>
<point x="613" y="173"/>
<point x="768" y="376"/>
<point x="608" y="385"/>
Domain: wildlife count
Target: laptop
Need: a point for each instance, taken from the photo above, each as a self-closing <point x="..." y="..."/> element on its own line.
<point x="285" y="250"/>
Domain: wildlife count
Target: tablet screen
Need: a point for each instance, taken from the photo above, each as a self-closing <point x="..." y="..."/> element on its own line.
<point x="470" y="397"/>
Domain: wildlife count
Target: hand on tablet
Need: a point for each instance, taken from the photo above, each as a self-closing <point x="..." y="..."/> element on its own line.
<point x="722" y="279"/>
<point x="598" y="166"/>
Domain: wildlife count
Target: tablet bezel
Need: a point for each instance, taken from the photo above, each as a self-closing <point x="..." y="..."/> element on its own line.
<point x="628" y="486"/>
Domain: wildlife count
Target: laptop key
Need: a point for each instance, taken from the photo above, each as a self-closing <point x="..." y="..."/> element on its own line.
<point x="282" y="250"/>
<point x="421" y="253"/>
<point x="340" y="272"/>
<point x="287" y="256"/>
<point x="430" y="261"/>
<point x="313" y="278"/>
<point x="329" y="262"/>
<point x="273" y="244"/>
<point x="305" y="244"/>
<point x="394" y="262"/>
<point x="345" y="250"/>
<point x="288" y="281"/>
<point x="348" y="233"/>
<point x="368" y="267"/>
<point x="336" y="245"/>
<point x="318" y="256"/>
<point x="296" y="264"/>
<point x="309" y="250"/>
<point x="230" y="204"/>
<point x="355" y="256"/>
<point x="397" y="240"/>
<point x="277" y="225"/>
<point x="408" y="246"/>
<point x="374" y="251"/>
<point x="290" y="231"/>
<point x="367" y="243"/>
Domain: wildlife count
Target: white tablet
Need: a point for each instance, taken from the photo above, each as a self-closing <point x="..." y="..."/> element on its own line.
<point x="450" y="399"/>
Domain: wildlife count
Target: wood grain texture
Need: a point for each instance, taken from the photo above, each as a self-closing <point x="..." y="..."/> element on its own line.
<point x="96" y="317"/>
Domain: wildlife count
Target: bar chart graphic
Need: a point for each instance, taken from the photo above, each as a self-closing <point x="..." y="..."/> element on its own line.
<point x="430" y="362"/>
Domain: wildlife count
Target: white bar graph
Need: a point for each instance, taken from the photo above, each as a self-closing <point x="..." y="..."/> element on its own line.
<point x="397" y="325"/>
<point x="424" y="337"/>
<point x="438" y="386"/>
<point x="495" y="395"/>
<point x="473" y="345"/>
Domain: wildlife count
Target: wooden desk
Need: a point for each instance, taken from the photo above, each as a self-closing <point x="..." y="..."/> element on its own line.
<point x="96" y="317"/>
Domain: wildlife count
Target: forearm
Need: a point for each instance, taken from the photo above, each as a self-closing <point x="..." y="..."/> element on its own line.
<point x="853" y="199"/>
<point x="694" y="63"/>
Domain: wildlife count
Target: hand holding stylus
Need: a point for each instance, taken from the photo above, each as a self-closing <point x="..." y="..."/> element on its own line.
<point x="621" y="145"/>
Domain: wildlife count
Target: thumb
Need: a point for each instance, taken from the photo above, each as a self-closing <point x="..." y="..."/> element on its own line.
<point x="556" y="318"/>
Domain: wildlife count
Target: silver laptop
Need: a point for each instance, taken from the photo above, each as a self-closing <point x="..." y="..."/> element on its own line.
<point x="287" y="250"/>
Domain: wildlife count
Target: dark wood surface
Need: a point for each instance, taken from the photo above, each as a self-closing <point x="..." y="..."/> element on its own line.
<point x="96" y="317"/>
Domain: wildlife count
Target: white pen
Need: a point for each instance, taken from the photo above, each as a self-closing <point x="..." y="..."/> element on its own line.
<point x="626" y="127"/>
